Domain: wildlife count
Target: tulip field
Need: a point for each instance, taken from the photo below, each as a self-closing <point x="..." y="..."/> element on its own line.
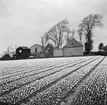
<point x="54" y="81"/>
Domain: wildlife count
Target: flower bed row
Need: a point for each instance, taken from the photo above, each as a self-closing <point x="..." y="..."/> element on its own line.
<point x="54" y="94"/>
<point x="94" y="91"/>
<point x="34" y="72"/>
<point x="24" y="71"/>
<point x="26" y="68"/>
<point x="18" y="70"/>
<point x="34" y="77"/>
<point x="36" y="86"/>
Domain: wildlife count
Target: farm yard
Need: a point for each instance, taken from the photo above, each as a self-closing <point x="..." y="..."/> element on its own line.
<point x="54" y="81"/>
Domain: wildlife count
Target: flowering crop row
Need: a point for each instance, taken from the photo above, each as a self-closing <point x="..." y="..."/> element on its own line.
<point x="17" y="70"/>
<point x="12" y="68"/>
<point x="94" y="91"/>
<point x="36" y="86"/>
<point x="54" y="94"/>
<point x="23" y="71"/>
<point x="34" y="77"/>
<point x="34" y="72"/>
<point x="13" y="71"/>
<point x="20" y="69"/>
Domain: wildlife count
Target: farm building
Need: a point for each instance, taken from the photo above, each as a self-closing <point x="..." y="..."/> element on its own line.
<point x="6" y="57"/>
<point x="49" y="50"/>
<point x="58" y="53"/>
<point x="42" y="55"/>
<point x="22" y="52"/>
<point x="35" y="49"/>
<point x="73" y="48"/>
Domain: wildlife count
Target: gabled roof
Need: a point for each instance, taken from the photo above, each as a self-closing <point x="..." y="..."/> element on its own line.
<point x="23" y="47"/>
<point x="36" y="45"/>
<point x="49" y="45"/>
<point x="73" y="43"/>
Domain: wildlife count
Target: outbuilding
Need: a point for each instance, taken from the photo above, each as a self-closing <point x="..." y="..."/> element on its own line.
<point x="6" y="57"/>
<point x="49" y="50"/>
<point x="58" y="52"/>
<point x="22" y="52"/>
<point x="73" y="48"/>
<point x="36" y="49"/>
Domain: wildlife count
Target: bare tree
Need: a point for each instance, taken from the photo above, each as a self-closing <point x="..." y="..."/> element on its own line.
<point x="56" y="33"/>
<point x="43" y="41"/>
<point x="80" y="34"/>
<point x="69" y="35"/>
<point x="73" y="33"/>
<point x="86" y="28"/>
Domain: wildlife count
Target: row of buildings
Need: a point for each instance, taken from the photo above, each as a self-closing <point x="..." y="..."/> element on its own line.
<point x="72" y="48"/>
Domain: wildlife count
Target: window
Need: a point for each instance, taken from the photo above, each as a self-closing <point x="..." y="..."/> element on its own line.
<point x="36" y="50"/>
<point x="20" y="51"/>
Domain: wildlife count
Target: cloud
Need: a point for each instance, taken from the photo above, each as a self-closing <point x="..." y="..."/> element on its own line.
<point x="3" y="9"/>
<point x="28" y="20"/>
<point x="102" y="7"/>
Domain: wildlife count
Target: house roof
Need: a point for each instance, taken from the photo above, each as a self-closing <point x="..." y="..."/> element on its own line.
<point x="48" y="46"/>
<point x="23" y="47"/>
<point x="5" y="56"/>
<point x="36" y="45"/>
<point x="73" y="43"/>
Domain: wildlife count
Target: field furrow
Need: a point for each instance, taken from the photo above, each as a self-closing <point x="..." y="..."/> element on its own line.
<point x="34" y="72"/>
<point x="72" y="94"/>
<point x="21" y="68"/>
<point x="34" y="87"/>
<point x="94" y="90"/>
<point x="54" y="94"/>
<point x="24" y="81"/>
<point x="15" y="72"/>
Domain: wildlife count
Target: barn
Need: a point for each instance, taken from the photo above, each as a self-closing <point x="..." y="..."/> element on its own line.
<point x="6" y="57"/>
<point x="36" y="49"/>
<point x="58" y="52"/>
<point x="73" y="48"/>
<point x="22" y="52"/>
<point x="49" y="50"/>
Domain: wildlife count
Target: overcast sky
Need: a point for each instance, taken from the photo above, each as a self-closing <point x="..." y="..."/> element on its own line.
<point x="23" y="22"/>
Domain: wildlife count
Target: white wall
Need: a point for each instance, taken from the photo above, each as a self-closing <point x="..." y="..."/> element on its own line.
<point x="32" y="50"/>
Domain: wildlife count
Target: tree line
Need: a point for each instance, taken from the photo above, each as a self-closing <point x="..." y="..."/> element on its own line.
<point x="61" y="32"/>
<point x="101" y="47"/>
